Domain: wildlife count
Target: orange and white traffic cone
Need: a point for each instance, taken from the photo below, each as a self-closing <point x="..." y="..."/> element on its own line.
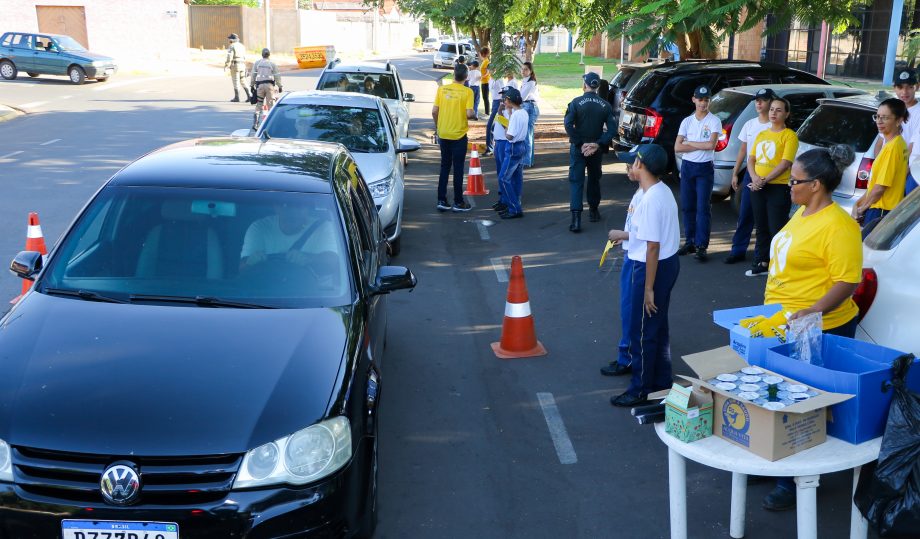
<point x="35" y="241"/>
<point x="519" y="338"/>
<point x="475" y="185"/>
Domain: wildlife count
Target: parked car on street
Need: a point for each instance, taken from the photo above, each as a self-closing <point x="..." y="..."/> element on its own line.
<point x="362" y="124"/>
<point x="386" y="84"/>
<point x="626" y="77"/>
<point x="889" y="294"/>
<point x="656" y="105"/>
<point x="201" y="354"/>
<point x="51" y="54"/>
<point x="446" y="55"/>
<point x="431" y="44"/>
<point x="735" y="106"/>
<point x="847" y="121"/>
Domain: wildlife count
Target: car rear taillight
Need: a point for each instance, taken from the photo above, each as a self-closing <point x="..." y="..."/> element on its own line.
<point x="864" y="172"/>
<point x="653" y="122"/>
<point x="865" y="292"/>
<point x="722" y="141"/>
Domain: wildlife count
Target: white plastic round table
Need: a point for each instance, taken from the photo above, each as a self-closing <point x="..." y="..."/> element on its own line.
<point x="806" y="467"/>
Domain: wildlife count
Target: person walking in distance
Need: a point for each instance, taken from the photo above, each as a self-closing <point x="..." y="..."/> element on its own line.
<point x="265" y="77"/>
<point x="651" y="237"/>
<point x="511" y="175"/>
<point x="474" y="77"/>
<point x="585" y="119"/>
<point x="236" y="61"/>
<point x="485" y="53"/>
<point x="769" y="161"/>
<point x="531" y="96"/>
<point x="696" y="139"/>
<point x="452" y="110"/>
<point x="741" y="240"/>
<point x="494" y="94"/>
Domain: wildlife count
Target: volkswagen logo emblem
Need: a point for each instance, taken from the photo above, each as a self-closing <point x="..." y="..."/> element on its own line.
<point x="120" y="484"/>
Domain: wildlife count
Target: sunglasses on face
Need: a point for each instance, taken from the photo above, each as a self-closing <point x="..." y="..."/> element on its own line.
<point x="796" y="181"/>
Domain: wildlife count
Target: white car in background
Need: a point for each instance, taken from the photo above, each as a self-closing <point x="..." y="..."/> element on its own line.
<point x="431" y="44"/>
<point x="889" y="295"/>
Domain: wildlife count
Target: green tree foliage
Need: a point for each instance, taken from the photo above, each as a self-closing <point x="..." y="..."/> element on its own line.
<point x="697" y="26"/>
<point x="247" y="3"/>
<point x="530" y="17"/>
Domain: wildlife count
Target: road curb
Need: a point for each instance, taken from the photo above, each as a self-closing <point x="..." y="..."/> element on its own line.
<point x="8" y="113"/>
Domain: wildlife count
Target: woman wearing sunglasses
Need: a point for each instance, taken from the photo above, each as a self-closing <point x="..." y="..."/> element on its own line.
<point x="815" y="261"/>
<point x="889" y="171"/>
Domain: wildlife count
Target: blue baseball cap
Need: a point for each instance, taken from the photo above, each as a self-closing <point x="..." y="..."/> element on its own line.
<point x="592" y="79"/>
<point x="652" y="156"/>
<point x="765" y="93"/>
<point x="702" y="92"/>
<point x="513" y="94"/>
<point x="906" y="76"/>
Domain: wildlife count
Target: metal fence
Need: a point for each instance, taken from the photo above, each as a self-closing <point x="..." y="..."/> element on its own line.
<point x="209" y="26"/>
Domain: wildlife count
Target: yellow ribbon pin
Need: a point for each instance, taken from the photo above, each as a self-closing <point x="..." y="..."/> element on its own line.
<point x="610" y="244"/>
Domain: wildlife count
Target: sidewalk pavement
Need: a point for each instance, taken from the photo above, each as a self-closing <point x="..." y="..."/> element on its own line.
<point x="7" y="113"/>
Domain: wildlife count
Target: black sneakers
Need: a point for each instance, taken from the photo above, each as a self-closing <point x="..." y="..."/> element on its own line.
<point x="687" y="249"/>
<point x="461" y="206"/>
<point x="701" y="254"/>
<point x="443" y="205"/>
<point x="757" y="270"/>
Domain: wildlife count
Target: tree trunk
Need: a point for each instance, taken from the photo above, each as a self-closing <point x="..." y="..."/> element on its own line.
<point x="682" y="46"/>
<point x="486" y="38"/>
<point x="530" y="43"/>
<point x="474" y="33"/>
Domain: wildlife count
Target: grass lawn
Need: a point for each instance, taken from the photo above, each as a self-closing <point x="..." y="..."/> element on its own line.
<point x="560" y="77"/>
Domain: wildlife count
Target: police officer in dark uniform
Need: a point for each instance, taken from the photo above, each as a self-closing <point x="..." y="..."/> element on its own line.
<point x="585" y="118"/>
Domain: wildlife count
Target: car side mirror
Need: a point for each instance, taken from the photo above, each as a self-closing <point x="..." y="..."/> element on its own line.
<point x="407" y="145"/>
<point x="390" y="278"/>
<point x="26" y="265"/>
<point x="409" y="98"/>
<point x="240" y="133"/>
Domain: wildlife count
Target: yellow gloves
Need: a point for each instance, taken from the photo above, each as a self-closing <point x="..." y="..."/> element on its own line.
<point x="761" y="326"/>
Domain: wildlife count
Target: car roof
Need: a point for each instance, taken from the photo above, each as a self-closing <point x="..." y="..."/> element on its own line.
<point x="359" y="67"/>
<point x="49" y="34"/>
<point x="236" y="163"/>
<point x="867" y="101"/>
<point x="681" y="66"/>
<point x="783" y="89"/>
<point x="331" y="98"/>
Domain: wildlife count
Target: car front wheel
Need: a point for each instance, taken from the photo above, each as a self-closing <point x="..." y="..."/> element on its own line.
<point x="76" y="74"/>
<point x="8" y="70"/>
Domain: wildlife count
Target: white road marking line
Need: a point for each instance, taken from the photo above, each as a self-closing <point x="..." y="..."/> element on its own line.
<point x="33" y="104"/>
<point x="498" y="266"/>
<point x="483" y="231"/>
<point x="564" y="448"/>
<point x="7" y="156"/>
<point x="52" y="141"/>
<point x="424" y="74"/>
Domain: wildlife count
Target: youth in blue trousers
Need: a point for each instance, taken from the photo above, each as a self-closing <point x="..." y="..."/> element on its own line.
<point x="696" y="180"/>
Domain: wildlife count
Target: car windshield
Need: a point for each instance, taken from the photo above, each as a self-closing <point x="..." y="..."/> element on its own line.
<point x="727" y="105"/>
<point x="358" y="129"/>
<point x="67" y="43"/>
<point x="378" y="84"/>
<point x="448" y="47"/>
<point x="622" y="77"/>
<point x="896" y="225"/>
<point x="830" y="124"/>
<point x="261" y="248"/>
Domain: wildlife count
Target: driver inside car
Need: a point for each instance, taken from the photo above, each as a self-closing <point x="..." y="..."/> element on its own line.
<point x="290" y="232"/>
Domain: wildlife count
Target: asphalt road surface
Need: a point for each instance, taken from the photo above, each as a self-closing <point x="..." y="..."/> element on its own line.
<point x="471" y="445"/>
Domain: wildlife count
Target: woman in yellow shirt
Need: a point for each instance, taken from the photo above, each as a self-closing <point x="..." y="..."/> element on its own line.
<point x="889" y="171"/>
<point x="769" y="161"/>
<point x="815" y="261"/>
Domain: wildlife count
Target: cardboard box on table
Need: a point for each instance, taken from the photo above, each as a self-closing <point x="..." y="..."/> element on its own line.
<point x="770" y="434"/>
<point x="752" y="349"/>
<point x="850" y="366"/>
<point x="688" y="413"/>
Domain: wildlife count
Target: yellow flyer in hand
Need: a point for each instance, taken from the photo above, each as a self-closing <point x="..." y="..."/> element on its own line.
<point x="610" y="244"/>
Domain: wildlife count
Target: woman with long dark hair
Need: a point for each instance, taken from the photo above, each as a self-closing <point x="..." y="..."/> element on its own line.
<point x="531" y="97"/>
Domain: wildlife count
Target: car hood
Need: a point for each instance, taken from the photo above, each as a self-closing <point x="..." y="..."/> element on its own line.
<point x="375" y="166"/>
<point x="88" y="56"/>
<point x="152" y="380"/>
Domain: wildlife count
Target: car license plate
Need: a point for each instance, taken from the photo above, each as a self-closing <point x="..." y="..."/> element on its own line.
<point x="109" y="71"/>
<point x="110" y="529"/>
<point x="626" y="119"/>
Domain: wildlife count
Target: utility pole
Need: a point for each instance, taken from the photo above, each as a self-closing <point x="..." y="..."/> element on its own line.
<point x="268" y="24"/>
<point x="376" y="38"/>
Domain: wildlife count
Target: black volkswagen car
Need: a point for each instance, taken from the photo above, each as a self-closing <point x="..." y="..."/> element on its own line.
<point x="200" y="355"/>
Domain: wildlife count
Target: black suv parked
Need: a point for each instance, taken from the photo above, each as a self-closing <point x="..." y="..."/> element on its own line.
<point x="655" y="106"/>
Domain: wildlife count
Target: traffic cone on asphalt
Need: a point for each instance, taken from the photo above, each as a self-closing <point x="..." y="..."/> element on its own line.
<point x="519" y="338"/>
<point x="35" y="241"/>
<point x="475" y="184"/>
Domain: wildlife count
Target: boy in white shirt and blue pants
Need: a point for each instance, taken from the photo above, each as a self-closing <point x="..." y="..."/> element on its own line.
<point x="511" y="175"/>
<point x="696" y="139"/>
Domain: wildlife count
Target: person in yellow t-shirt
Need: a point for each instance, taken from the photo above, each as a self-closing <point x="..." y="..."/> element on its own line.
<point x="815" y="261"/>
<point x="453" y="107"/>
<point x="486" y="77"/>
<point x="889" y="171"/>
<point x="769" y="161"/>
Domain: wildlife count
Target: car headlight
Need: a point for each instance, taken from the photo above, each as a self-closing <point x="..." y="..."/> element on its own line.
<point x="382" y="188"/>
<point x="99" y="63"/>
<point x="6" y="462"/>
<point x="307" y="455"/>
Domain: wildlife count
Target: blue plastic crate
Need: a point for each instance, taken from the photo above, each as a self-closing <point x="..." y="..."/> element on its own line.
<point x="850" y="366"/>
<point x="752" y="349"/>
